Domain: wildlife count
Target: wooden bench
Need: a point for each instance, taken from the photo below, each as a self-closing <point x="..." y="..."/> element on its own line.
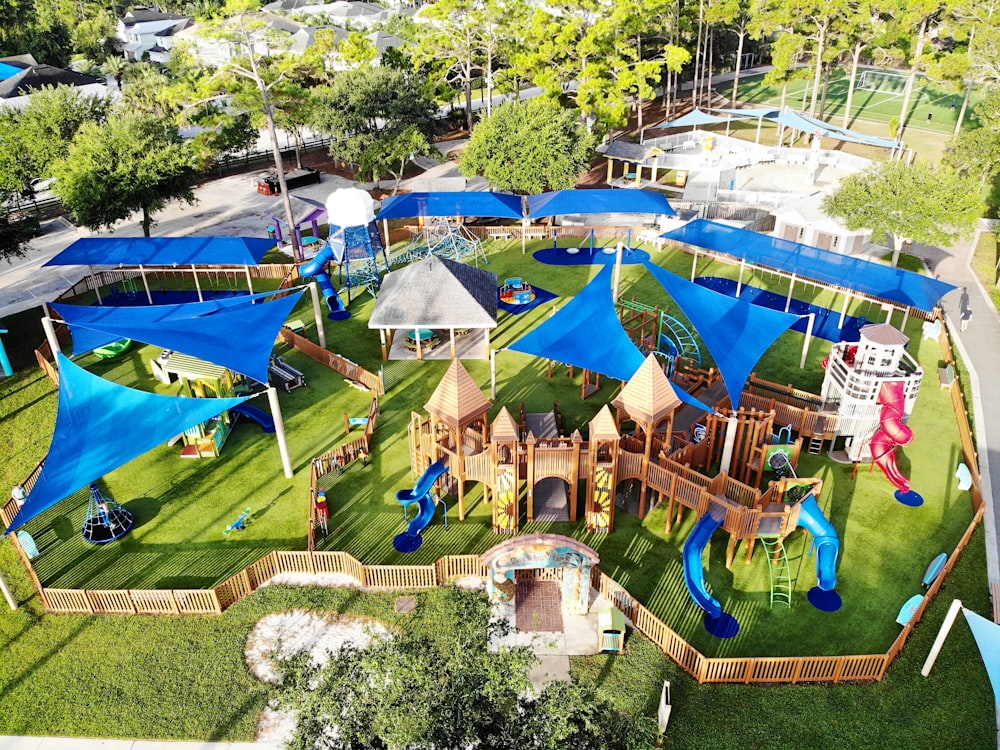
<point x="283" y="374"/>
<point x="947" y="376"/>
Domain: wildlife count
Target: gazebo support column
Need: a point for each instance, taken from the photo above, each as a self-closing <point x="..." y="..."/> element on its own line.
<point x="451" y="336"/>
<point x="416" y="339"/>
<point x="486" y="342"/>
<point x="611" y="170"/>
<point x="381" y="337"/>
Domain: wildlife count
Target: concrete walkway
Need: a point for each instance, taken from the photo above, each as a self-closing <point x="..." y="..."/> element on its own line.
<point x="979" y="347"/>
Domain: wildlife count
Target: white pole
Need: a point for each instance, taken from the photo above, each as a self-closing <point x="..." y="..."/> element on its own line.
<point x="249" y="280"/>
<point x="729" y="444"/>
<point x="843" y="310"/>
<point x="279" y="430"/>
<point x="50" y="334"/>
<point x="906" y="317"/>
<point x="194" y="273"/>
<point x="149" y="294"/>
<point x="451" y="336"/>
<point x="791" y="286"/>
<point x="739" y="283"/>
<point x="949" y="620"/>
<point x="808" y="339"/>
<point x="619" y="250"/>
<point x="694" y="264"/>
<point x="7" y="593"/>
<point x="318" y="312"/>
<point x="493" y="374"/>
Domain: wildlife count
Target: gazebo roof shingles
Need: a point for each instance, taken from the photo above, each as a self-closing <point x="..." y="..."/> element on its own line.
<point x="436" y="293"/>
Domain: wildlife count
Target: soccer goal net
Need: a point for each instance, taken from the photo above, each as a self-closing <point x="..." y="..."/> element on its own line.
<point x="885" y="80"/>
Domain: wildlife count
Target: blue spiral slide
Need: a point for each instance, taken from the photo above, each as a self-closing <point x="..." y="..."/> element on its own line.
<point x="827" y="546"/>
<point x="717" y="622"/>
<point x="410" y="540"/>
<point x="317" y="268"/>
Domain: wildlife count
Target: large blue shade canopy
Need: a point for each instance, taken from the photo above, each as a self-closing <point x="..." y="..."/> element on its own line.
<point x="694" y="118"/>
<point x="239" y="337"/>
<point x="867" y="277"/>
<point x="164" y="251"/>
<point x="100" y="426"/>
<point x="628" y="201"/>
<point x="587" y="333"/>
<point x="987" y="635"/>
<point x="736" y="332"/>
<point x="490" y="205"/>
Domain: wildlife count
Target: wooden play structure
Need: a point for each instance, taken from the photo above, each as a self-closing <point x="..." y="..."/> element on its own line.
<point x="652" y="449"/>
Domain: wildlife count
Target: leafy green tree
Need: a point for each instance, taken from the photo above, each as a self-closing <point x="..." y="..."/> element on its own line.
<point x="374" y="114"/>
<point x="246" y="31"/>
<point x="975" y="153"/>
<point x="442" y="688"/>
<point x="900" y="201"/>
<point x="95" y="37"/>
<point x="44" y="130"/>
<point x="15" y="232"/>
<point x="133" y="162"/>
<point x="529" y="147"/>
<point x="358" y="49"/>
<point x="861" y="28"/>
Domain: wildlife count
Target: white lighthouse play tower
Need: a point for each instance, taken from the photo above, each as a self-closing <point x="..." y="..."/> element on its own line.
<point x="854" y="377"/>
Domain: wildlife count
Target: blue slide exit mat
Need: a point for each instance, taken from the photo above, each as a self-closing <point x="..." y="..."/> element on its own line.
<point x="557" y="256"/>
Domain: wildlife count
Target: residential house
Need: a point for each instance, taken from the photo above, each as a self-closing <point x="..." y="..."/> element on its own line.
<point x="147" y="33"/>
<point x="21" y="76"/>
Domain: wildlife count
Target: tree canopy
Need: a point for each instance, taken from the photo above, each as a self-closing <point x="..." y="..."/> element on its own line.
<point x="440" y="687"/>
<point x="901" y="201"/>
<point x="133" y="162"/>
<point x="376" y="118"/>
<point x="529" y="147"/>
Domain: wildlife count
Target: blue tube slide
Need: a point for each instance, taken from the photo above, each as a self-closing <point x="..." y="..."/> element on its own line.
<point x="827" y="546"/>
<point x="317" y="269"/>
<point x="410" y="540"/>
<point x="717" y="622"/>
<point x="262" y="418"/>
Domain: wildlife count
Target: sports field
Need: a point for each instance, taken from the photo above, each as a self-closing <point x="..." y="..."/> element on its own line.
<point x="932" y="113"/>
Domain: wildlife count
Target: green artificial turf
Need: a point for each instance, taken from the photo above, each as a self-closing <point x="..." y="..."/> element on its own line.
<point x="183" y="506"/>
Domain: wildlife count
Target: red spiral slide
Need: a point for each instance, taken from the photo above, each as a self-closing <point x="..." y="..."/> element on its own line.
<point x="890" y="434"/>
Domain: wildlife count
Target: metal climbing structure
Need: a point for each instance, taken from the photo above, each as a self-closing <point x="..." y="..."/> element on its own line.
<point x="446" y="239"/>
<point x="356" y="250"/>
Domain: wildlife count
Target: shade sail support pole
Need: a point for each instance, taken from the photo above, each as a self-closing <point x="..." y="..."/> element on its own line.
<point x="279" y="430"/>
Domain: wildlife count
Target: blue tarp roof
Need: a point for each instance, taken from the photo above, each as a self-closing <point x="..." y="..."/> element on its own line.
<point x="586" y="333"/>
<point x="736" y="332"/>
<point x="100" y="426"/>
<point x="8" y="71"/>
<point x="563" y="202"/>
<point x="867" y="277"/>
<point x="795" y="120"/>
<point x="237" y="336"/>
<point x="694" y="118"/>
<point x="491" y="205"/>
<point x="164" y="251"/>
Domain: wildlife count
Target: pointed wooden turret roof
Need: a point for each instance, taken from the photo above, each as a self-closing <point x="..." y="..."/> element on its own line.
<point x="602" y="427"/>
<point x="648" y="396"/>
<point x="457" y="399"/>
<point x="504" y="426"/>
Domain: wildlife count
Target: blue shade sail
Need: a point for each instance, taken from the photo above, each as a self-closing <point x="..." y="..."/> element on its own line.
<point x="491" y="205"/>
<point x="100" y="426"/>
<point x="987" y="635"/>
<point x="629" y="201"/>
<point x="736" y="332"/>
<point x="694" y="118"/>
<point x="586" y="333"/>
<point x="239" y="338"/>
<point x="856" y="274"/>
<point x="164" y="251"/>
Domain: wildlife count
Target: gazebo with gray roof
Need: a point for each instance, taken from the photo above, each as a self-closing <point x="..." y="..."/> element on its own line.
<point x="439" y="295"/>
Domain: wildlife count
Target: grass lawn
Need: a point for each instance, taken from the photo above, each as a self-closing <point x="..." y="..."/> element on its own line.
<point x="871" y="111"/>
<point x="183" y="506"/>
